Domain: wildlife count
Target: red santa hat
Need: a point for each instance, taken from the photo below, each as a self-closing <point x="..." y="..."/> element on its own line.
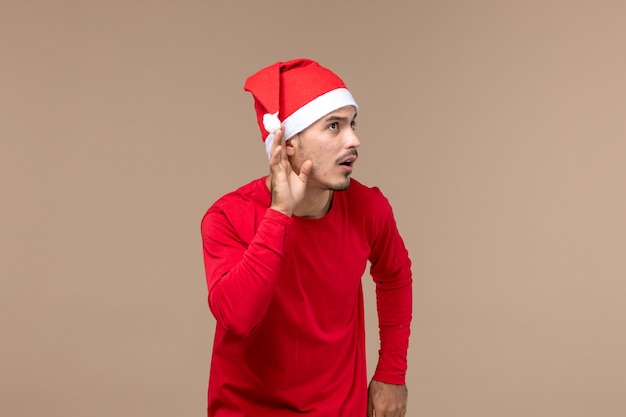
<point x="296" y="93"/>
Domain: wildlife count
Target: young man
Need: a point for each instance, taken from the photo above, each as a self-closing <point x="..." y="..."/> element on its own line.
<point x="284" y="257"/>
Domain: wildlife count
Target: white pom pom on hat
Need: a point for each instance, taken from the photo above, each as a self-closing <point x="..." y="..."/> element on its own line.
<point x="271" y="122"/>
<point x="298" y="93"/>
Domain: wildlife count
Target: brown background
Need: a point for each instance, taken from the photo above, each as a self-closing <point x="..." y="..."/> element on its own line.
<point x="496" y="128"/>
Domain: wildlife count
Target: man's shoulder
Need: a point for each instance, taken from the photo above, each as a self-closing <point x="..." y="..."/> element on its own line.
<point x="242" y="204"/>
<point x="240" y="209"/>
<point x="249" y="194"/>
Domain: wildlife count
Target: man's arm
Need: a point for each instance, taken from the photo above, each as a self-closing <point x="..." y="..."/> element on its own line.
<point x="391" y="271"/>
<point x="241" y="277"/>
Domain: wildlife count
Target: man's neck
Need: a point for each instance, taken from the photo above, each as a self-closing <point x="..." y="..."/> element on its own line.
<point x="315" y="204"/>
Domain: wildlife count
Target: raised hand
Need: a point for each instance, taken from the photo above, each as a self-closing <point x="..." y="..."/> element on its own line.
<point x="287" y="186"/>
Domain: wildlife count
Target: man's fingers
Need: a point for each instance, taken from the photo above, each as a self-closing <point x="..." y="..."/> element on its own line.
<point x="277" y="147"/>
<point x="305" y="171"/>
<point x="279" y="136"/>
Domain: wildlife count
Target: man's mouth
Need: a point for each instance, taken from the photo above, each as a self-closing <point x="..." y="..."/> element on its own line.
<point x="349" y="160"/>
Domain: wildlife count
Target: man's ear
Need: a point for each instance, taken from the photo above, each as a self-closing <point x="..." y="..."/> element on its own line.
<point x="289" y="146"/>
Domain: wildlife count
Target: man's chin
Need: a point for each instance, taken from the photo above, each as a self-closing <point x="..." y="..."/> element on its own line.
<point x="341" y="186"/>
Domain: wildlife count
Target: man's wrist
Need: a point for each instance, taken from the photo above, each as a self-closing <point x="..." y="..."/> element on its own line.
<point x="282" y="211"/>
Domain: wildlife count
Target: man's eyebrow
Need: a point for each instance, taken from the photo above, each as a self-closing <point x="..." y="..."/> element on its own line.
<point x="333" y="118"/>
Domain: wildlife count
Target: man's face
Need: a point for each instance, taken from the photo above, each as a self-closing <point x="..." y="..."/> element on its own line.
<point x="330" y="144"/>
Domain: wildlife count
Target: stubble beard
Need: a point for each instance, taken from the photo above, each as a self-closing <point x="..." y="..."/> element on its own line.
<point x="334" y="186"/>
<point x="341" y="187"/>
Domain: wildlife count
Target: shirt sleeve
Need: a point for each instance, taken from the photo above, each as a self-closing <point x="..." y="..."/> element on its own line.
<point x="241" y="276"/>
<point x="391" y="272"/>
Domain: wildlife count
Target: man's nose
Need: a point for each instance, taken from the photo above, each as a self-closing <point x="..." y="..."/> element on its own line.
<point x="352" y="139"/>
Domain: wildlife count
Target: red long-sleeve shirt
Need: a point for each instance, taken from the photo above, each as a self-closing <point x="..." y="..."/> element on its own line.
<point x="286" y="293"/>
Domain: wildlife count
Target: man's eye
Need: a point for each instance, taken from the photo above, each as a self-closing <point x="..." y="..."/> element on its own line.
<point x="333" y="126"/>
<point x="353" y="125"/>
